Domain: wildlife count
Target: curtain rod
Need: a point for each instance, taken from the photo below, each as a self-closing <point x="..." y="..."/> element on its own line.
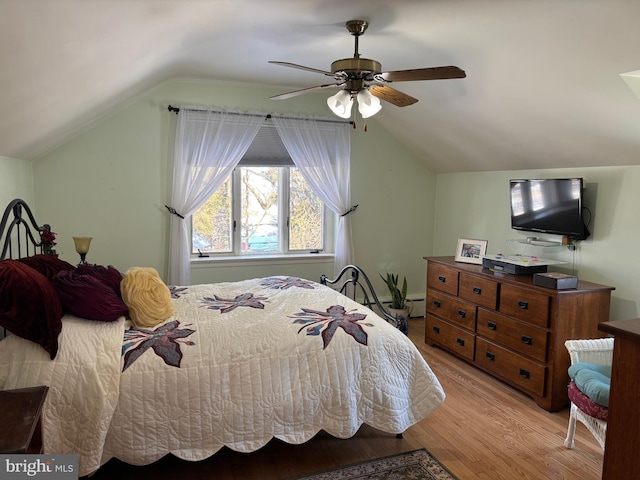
<point x="171" y="108"/>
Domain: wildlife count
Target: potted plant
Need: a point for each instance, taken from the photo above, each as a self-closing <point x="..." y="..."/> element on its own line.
<point x="400" y="305"/>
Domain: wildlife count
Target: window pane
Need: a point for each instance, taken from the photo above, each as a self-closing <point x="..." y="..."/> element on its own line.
<point x="259" y="209"/>
<point x="212" y="223"/>
<point x="305" y="215"/>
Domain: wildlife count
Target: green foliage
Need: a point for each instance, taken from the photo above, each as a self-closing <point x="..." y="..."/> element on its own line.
<point x="305" y="214"/>
<point x="398" y="296"/>
<point x="212" y="224"/>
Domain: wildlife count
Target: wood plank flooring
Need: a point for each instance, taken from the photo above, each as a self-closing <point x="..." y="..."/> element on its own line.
<point x="484" y="430"/>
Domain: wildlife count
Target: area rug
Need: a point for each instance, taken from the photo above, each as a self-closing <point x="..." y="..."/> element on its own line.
<point x="418" y="464"/>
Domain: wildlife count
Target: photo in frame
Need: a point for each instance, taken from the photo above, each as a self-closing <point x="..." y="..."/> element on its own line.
<point x="470" y="250"/>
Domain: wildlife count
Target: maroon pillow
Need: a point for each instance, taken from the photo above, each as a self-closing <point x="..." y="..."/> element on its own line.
<point x="47" y="265"/>
<point x="88" y="297"/>
<point x="107" y="275"/>
<point x="29" y="305"/>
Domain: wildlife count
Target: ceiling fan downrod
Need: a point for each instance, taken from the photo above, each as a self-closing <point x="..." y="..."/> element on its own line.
<point x="357" y="28"/>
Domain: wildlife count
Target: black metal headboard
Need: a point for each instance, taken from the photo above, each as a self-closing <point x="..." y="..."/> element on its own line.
<point x="20" y="235"/>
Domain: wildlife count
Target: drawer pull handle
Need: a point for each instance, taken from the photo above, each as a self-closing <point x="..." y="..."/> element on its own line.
<point x="524" y="373"/>
<point x="442" y="278"/>
<point x="526" y="339"/>
<point x="437" y="303"/>
<point x="492" y="325"/>
<point x="460" y="342"/>
<point x="477" y="290"/>
<point x="462" y="313"/>
<point x="490" y="356"/>
<point x="436" y="329"/>
<point x="523" y="305"/>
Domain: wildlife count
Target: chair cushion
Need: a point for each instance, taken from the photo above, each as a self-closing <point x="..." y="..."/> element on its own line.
<point x="586" y="405"/>
<point x="593" y="380"/>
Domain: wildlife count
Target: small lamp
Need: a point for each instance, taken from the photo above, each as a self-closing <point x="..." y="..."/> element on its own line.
<point x="82" y="246"/>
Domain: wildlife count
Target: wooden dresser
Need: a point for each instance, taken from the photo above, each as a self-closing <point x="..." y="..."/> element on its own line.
<point x="509" y="327"/>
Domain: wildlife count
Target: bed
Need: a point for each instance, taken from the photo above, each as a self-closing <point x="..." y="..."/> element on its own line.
<point x="236" y="364"/>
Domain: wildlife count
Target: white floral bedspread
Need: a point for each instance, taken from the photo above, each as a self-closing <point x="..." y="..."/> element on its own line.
<point x="237" y="365"/>
<point x="83" y="384"/>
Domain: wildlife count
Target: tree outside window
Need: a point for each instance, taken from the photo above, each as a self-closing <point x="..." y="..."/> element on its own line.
<point x="277" y="212"/>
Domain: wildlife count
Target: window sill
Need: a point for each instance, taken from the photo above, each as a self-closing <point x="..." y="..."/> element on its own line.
<point x="247" y="260"/>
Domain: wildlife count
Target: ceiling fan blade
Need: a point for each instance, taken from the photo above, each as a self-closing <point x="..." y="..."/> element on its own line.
<point x="433" y="73"/>
<point x="302" y="67"/>
<point x="295" y="93"/>
<point x="391" y="95"/>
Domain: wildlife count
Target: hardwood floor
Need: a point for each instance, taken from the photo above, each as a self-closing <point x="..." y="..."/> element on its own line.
<point x="484" y="430"/>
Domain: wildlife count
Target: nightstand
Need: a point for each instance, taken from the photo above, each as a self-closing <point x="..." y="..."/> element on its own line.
<point x="21" y="411"/>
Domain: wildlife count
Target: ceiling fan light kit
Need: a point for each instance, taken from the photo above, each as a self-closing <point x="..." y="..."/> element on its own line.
<point x="341" y="103"/>
<point x="364" y="79"/>
<point x="368" y="105"/>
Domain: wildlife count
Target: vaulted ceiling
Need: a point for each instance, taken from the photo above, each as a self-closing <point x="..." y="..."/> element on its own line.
<point x="543" y="86"/>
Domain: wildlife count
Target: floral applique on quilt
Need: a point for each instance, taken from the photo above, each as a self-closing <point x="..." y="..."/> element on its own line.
<point x="225" y="305"/>
<point x="177" y="292"/>
<point x="285" y="283"/>
<point x="327" y="323"/>
<point x="164" y="341"/>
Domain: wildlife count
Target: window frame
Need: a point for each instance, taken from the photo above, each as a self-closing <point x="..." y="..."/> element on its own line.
<point x="329" y="224"/>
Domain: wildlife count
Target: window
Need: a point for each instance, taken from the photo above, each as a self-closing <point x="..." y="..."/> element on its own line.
<point x="265" y="207"/>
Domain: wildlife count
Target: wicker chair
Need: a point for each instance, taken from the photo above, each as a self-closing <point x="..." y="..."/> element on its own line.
<point x="599" y="351"/>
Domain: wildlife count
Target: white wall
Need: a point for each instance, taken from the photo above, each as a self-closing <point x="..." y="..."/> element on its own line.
<point x="476" y="205"/>
<point x="112" y="181"/>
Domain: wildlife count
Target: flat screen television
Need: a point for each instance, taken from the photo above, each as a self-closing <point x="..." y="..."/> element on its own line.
<point x="550" y="205"/>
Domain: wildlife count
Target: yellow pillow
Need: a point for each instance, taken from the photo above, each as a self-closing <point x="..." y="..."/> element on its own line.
<point x="147" y="297"/>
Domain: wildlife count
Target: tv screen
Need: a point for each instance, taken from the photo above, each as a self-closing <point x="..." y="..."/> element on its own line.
<point x="552" y="205"/>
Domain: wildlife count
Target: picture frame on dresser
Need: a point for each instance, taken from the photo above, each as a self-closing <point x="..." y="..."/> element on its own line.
<point x="470" y="250"/>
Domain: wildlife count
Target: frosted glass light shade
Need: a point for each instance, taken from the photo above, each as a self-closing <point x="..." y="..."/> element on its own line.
<point x="341" y="103"/>
<point x="82" y="244"/>
<point x="368" y="105"/>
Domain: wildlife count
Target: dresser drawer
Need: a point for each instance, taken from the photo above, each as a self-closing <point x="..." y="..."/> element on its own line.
<point x="452" y="338"/>
<point x="525" y="305"/>
<point x="519" y="336"/>
<point x="453" y="309"/>
<point x="443" y="278"/>
<point x="515" y="369"/>
<point x="478" y="290"/>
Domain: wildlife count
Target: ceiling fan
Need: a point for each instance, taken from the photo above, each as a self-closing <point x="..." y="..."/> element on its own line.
<point x="364" y="79"/>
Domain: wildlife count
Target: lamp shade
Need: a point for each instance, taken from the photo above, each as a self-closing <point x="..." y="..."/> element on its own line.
<point x="368" y="105"/>
<point x="82" y="244"/>
<point x="341" y="103"/>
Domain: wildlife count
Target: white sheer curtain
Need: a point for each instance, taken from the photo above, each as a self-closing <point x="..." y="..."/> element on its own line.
<point x="208" y="146"/>
<point x="322" y="152"/>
